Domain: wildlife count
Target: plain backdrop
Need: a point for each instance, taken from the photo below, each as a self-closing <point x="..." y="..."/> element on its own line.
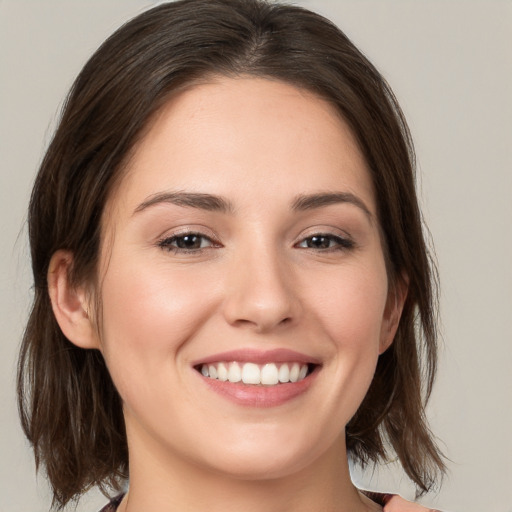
<point x="450" y="64"/>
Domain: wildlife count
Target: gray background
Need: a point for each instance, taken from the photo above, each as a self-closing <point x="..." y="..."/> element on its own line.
<point x="450" y="64"/>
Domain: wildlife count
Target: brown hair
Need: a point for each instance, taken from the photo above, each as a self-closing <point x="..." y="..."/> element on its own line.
<point x="70" y="409"/>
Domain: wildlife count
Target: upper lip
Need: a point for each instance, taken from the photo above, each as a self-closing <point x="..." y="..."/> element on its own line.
<point x="279" y="355"/>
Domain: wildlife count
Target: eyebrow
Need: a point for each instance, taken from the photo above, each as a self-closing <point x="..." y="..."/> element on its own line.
<point x="188" y="199"/>
<point x="321" y="199"/>
<point x="215" y="203"/>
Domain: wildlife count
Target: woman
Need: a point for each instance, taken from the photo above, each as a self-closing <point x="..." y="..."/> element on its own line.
<point x="228" y="263"/>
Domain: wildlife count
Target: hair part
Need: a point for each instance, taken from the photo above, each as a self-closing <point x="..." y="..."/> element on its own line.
<point x="69" y="407"/>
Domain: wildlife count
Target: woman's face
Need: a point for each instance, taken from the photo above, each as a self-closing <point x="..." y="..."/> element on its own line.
<point x="243" y="243"/>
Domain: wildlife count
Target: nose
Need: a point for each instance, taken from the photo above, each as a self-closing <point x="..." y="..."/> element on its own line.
<point x="260" y="293"/>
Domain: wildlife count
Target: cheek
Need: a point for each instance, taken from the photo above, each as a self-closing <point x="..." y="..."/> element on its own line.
<point x="352" y="315"/>
<point x="148" y="314"/>
<point x="352" y="305"/>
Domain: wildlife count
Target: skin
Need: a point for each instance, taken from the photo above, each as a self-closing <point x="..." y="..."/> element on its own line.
<point x="258" y="282"/>
<point x="398" y="504"/>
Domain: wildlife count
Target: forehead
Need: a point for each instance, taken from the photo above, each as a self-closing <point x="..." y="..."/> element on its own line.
<point x="240" y="136"/>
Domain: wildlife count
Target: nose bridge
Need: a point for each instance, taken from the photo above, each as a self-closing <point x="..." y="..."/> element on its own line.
<point x="260" y="292"/>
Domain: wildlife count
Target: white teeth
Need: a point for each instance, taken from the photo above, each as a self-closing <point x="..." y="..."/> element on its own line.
<point x="294" y="372"/>
<point x="284" y="373"/>
<point x="222" y="372"/>
<point x="212" y="371"/>
<point x="269" y="374"/>
<point x="235" y="373"/>
<point x="251" y="374"/>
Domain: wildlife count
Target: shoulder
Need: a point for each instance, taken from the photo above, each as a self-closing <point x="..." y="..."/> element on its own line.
<point x="395" y="503"/>
<point x="113" y="504"/>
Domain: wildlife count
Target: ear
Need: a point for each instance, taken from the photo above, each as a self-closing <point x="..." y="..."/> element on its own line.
<point x="70" y="304"/>
<point x="397" y="295"/>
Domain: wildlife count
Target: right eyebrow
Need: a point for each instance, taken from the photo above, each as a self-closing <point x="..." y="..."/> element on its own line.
<point x="208" y="202"/>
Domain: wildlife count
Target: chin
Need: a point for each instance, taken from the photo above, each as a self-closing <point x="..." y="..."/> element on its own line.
<point x="262" y="468"/>
<point x="268" y="457"/>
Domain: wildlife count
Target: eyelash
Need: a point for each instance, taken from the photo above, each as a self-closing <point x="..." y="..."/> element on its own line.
<point x="341" y="244"/>
<point x="166" y="243"/>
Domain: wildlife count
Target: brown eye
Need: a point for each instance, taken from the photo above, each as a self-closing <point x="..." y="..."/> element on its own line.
<point x="319" y="242"/>
<point x="326" y="242"/>
<point x="188" y="242"/>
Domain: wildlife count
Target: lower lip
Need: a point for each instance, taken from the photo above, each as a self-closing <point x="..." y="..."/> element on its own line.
<point x="260" y="396"/>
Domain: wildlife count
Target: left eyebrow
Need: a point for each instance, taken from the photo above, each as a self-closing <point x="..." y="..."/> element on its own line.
<point x="319" y="200"/>
<point x="189" y="200"/>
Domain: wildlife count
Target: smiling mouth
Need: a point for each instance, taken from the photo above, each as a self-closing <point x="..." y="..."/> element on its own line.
<point x="253" y="374"/>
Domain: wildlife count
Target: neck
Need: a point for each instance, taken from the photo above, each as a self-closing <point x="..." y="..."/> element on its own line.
<point x="163" y="483"/>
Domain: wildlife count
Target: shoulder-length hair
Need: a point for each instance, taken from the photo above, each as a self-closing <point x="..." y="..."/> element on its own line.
<point x="70" y="409"/>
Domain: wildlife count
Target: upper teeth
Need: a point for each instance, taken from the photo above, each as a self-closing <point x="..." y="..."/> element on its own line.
<point x="267" y="374"/>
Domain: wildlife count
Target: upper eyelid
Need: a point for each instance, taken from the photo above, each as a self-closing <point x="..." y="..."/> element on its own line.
<point x="208" y="233"/>
<point x="186" y="230"/>
<point x="186" y="233"/>
<point x="167" y="243"/>
<point x="343" y="240"/>
<point x="174" y="236"/>
<point x="325" y="231"/>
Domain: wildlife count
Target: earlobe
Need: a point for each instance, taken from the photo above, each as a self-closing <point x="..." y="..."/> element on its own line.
<point x="70" y="303"/>
<point x="393" y="312"/>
